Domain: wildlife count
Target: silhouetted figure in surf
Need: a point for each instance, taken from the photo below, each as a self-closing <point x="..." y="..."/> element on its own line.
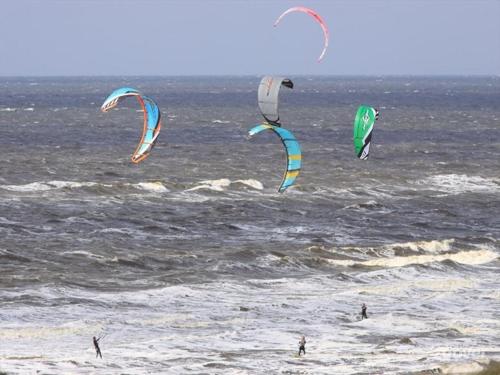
<point x="302" y="345"/>
<point x="363" y="312"/>
<point x="97" y="349"/>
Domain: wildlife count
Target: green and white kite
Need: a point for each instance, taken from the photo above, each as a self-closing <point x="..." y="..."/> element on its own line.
<point x="363" y="129"/>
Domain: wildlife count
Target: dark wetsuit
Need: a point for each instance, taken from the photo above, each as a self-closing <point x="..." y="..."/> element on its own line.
<point x="97" y="349"/>
<point x="302" y="347"/>
<point x="363" y="313"/>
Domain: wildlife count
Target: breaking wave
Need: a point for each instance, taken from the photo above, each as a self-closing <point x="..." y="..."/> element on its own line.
<point x="45" y="186"/>
<point x="156" y="187"/>
<point x="460" y="183"/>
<point x="224" y="183"/>
<point x="473" y="257"/>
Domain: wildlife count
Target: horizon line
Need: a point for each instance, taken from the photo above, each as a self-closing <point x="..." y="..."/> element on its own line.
<point x="257" y="75"/>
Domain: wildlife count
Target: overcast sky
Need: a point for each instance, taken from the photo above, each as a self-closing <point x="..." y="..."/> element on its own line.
<point x="191" y="37"/>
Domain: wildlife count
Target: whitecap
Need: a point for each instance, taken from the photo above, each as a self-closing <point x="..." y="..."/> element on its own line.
<point x="34" y="186"/>
<point x="224" y="183"/>
<point x="45" y="186"/>
<point x="461" y="368"/>
<point x="474" y="257"/>
<point x="215" y="185"/>
<point x="255" y="184"/>
<point x="433" y="246"/>
<point x="156" y="187"/>
<point x="458" y="184"/>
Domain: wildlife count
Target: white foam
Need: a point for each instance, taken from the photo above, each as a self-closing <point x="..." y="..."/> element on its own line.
<point x="255" y="184"/>
<point x="215" y="185"/>
<point x="8" y="109"/>
<point x="433" y="246"/>
<point x="220" y="122"/>
<point x="223" y="183"/>
<point x="458" y="184"/>
<point x="402" y="287"/>
<point x="84" y="253"/>
<point x="69" y="184"/>
<point x="117" y="230"/>
<point x="462" y="368"/>
<point x="156" y="187"/>
<point x="41" y="332"/>
<point x="45" y="186"/>
<point x="389" y="251"/>
<point x="34" y="186"/>
<point x="474" y="257"/>
<point x="175" y="329"/>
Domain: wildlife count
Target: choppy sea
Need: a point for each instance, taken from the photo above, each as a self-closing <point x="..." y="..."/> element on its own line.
<point x="192" y="263"/>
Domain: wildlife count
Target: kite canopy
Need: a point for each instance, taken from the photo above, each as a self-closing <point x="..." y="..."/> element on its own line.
<point x="317" y="17"/>
<point x="269" y="89"/>
<point x="363" y="128"/>
<point x="152" y="116"/>
<point x="293" y="154"/>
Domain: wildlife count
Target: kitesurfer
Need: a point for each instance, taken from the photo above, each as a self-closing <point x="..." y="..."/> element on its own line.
<point x="97" y="349"/>
<point x="363" y="312"/>
<point x="302" y="345"/>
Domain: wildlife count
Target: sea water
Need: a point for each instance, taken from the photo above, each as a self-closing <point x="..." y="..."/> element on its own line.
<point x="192" y="263"/>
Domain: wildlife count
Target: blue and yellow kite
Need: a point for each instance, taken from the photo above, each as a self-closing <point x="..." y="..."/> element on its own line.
<point x="152" y="116"/>
<point x="293" y="154"/>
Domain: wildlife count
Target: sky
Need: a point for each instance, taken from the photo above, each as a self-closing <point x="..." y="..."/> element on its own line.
<point x="237" y="37"/>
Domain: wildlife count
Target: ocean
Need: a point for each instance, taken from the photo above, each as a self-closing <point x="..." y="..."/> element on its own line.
<point x="192" y="263"/>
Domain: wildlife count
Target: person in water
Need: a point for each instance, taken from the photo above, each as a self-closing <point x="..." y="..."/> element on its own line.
<point x="363" y="312"/>
<point x="302" y="345"/>
<point x="97" y="349"/>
